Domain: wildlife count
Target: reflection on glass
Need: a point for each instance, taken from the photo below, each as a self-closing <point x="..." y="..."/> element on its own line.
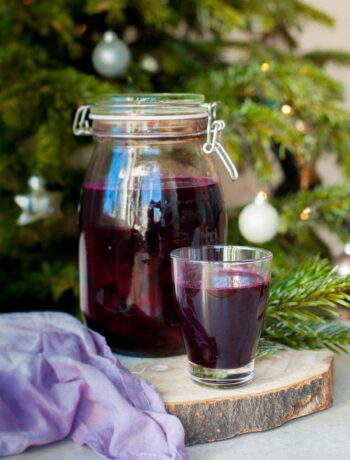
<point x="133" y="215"/>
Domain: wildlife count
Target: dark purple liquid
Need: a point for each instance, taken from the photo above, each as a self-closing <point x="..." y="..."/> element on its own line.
<point x="128" y="240"/>
<point x="222" y="325"/>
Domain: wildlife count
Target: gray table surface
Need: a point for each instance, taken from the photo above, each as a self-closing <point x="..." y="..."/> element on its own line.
<point x="321" y="436"/>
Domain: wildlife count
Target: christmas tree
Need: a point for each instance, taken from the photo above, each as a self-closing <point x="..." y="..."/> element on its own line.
<point x="279" y="105"/>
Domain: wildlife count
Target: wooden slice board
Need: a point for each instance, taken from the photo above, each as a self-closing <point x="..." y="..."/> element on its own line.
<point x="286" y="386"/>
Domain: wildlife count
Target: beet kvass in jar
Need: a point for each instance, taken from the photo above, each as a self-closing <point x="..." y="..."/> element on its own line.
<point x="151" y="187"/>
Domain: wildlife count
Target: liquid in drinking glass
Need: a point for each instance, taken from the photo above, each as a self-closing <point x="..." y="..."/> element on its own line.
<point x="221" y="312"/>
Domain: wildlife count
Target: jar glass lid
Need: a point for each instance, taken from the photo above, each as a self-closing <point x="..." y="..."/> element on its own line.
<point x="141" y="106"/>
<point x="154" y="109"/>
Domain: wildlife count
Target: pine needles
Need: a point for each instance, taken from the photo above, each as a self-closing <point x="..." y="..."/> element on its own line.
<point x="46" y="72"/>
<point x="303" y="308"/>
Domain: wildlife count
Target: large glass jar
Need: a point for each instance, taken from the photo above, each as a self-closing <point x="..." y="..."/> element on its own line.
<point x="151" y="187"/>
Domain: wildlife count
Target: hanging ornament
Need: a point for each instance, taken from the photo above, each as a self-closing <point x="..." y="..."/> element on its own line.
<point x="111" y="56"/>
<point x="258" y="222"/>
<point x="343" y="262"/>
<point x="39" y="203"/>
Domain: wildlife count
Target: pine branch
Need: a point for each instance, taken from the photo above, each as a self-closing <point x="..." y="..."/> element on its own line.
<point x="304" y="299"/>
<point x="252" y="99"/>
<point x="297" y="239"/>
<point x="219" y="15"/>
<point x="301" y="304"/>
<point x="267" y="348"/>
<point x="115" y="9"/>
<point x="46" y="72"/>
<point x="322" y="57"/>
<point x="326" y="205"/>
<point x="311" y="12"/>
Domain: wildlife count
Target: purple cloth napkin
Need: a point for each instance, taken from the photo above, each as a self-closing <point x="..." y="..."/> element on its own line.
<point x="59" y="379"/>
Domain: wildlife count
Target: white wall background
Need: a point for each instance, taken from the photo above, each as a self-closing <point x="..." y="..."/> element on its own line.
<point x="338" y="37"/>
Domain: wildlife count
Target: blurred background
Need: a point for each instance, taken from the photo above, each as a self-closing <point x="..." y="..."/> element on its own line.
<point x="279" y="69"/>
<point x="315" y="36"/>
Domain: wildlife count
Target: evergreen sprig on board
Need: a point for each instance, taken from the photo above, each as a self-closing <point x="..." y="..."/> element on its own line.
<point x="303" y="309"/>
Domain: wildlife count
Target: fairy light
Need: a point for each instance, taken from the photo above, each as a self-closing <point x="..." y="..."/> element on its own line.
<point x="305" y="213"/>
<point x="286" y="109"/>
<point x="265" y="67"/>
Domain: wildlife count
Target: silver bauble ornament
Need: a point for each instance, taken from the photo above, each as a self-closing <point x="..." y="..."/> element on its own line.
<point x="39" y="203"/>
<point x="343" y="262"/>
<point x="111" y="56"/>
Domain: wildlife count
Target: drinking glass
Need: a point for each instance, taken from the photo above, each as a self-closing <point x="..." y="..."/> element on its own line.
<point x="221" y="294"/>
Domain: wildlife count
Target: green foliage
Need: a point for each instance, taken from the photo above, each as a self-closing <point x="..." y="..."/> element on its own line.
<point x="326" y="205"/>
<point x="267" y="348"/>
<point x="287" y="251"/>
<point x="322" y="57"/>
<point x="297" y="239"/>
<point x="212" y="46"/>
<point x="252" y="100"/>
<point x="301" y="302"/>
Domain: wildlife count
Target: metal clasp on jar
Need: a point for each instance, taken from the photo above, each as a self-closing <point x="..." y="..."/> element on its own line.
<point x="212" y="144"/>
<point x="82" y="127"/>
<point x="81" y="123"/>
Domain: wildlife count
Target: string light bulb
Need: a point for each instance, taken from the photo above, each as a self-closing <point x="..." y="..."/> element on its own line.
<point x="305" y="213"/>
<point x="286" y="109"/>
<point x="265" y="67"/>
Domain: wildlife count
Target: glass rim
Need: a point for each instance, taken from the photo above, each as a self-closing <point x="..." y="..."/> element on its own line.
<point x="148" y="106"/>
<point x="149" y="98"/>
<point x="265" y="254"/>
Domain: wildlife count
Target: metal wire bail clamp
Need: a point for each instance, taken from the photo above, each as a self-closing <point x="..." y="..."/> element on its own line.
<point x="81" y="123"/>
<point x="82" y="127"/>
<point x="212" y="144"/>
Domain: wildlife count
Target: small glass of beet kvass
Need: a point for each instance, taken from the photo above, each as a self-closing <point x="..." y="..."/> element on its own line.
<point x="221" y="294"/>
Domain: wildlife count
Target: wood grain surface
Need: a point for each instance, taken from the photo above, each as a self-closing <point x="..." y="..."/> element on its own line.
<point x="286" y="386"/>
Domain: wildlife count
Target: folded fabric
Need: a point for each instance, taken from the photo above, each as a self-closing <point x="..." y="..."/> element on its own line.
<point x="59" y="379"/>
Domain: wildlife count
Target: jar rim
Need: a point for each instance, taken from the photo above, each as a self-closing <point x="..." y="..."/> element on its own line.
<point x="148" y="106"/>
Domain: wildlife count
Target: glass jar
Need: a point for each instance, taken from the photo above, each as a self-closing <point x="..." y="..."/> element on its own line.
<point x="151" y="187"/>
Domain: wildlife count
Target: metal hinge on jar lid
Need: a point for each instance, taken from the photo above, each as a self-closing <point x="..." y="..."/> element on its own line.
<point x="214" y="127"/>
<point x="81" y="123"/>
